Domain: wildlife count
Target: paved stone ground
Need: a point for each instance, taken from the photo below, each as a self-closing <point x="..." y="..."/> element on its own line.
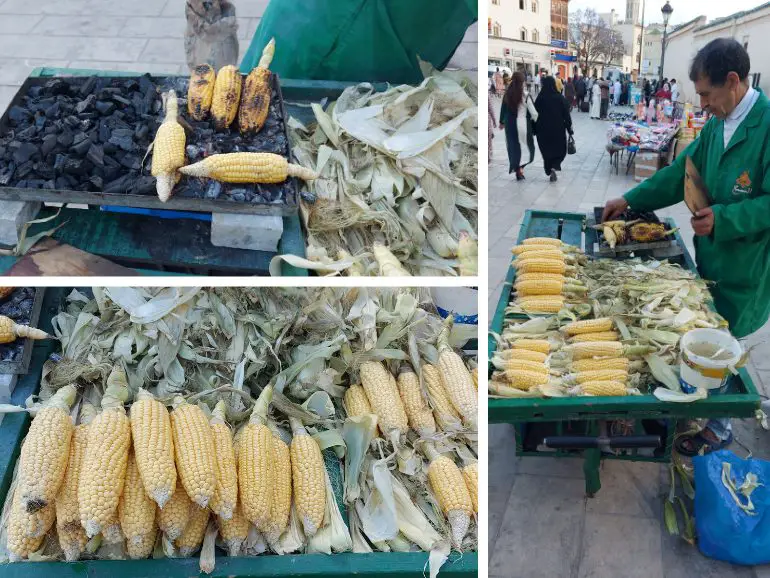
<point x="139" y="35"/>
<point x="540" y="522"/>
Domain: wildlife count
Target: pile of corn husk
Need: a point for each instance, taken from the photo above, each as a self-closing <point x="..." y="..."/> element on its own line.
<point x="308" y="343"/>
<point x="398" y="170"/>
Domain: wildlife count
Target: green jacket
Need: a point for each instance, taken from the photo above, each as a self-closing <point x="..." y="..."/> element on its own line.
<point x="736" y="256"/>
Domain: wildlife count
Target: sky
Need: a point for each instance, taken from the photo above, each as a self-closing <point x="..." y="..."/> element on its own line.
<point x="684" y="10"/>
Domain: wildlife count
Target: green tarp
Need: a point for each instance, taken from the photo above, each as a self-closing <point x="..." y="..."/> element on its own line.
<point x="360" y="40"/>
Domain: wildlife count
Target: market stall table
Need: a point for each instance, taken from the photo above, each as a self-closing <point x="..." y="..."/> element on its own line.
<point x="634" y="137"/>
<point x="586" y="417"/>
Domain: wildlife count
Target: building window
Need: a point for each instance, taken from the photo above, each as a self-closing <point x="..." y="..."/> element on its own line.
<point x="535" y="36"/>
<point x="534" y="7"/>
<point x="521" y="5"/>
<point x="554" y="34"/>
<point x="497" y="30"/>
<point x="523" y="33"/>
<point x="496" y="2"/>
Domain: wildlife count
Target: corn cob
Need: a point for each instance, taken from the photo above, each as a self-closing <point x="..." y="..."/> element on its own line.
<point x="104" y="464"/>
<point x="280" y="506"/>
<point x="111" y="532"/>
<point x="234" y="531"/>
<point x="448" y="485"/>
<point x="382" y="393"/>
<point x="468" y="255"/>
<point x="416" y="407"/>
<point x="5" y="292"/>
<point x="247" y="168"/>
<point x="589" y="349"/>
<point x="522" y="365"/>
<point x="552" y="253"/>
<point x="21" y="524"/>
<point x="542" y="266"/>
<point x="227" y="96"/>
<point x="136" y="513"/>
<point x="540" y="303"/>
<point x="523" y="354"/>
<point x="201" y="91"/>
<point x="10" y="330"/>
<point x="539" y="287"/>
<point x="520" y="249"/>
<point x="589" y="326"/>
<point x="582" y="365"/>
<point x="196" y="460"/>
<point x="525" y="380"/>
<point x="226" y="492"/>
<point x="45" y="451"/>
<point x="457" y="381"/>
<point x="389" y="265"/>
<point x="543" y="241"/>
<point x="308" y="476"/>
<point x="600" y="375"/>
<point x="602" y="388"/>
<point x="539" y="345"/>
<point x="255" y="463"/>
<point x="471" y="477"/>
<point x="355" y="401"/>
<point x="192" y="536"/>
<point x="174" y="516"/>
<point x="526" y="277"/>
<point x="168" y="149"/>
<point x="72" y="536"/>
<point x="475" y="377"/>
<point x="598" y="336"/>
<point x="444" y="412"/>
<point x="257" y="90"/>
<point x="154" y="446"/>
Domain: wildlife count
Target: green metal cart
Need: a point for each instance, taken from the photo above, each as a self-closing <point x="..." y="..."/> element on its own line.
<point x="586" y="417"/>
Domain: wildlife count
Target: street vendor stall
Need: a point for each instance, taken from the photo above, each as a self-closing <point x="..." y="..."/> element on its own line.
<point x="643" y="144"/>
<point x="559" y="419"/>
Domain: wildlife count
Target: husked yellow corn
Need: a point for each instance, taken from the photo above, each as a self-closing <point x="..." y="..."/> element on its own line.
<point x="526" y="277"/>
<point x="227" y="97"/>
<point x="168" y="149"/>
<point x="523" y="354"/>
<point x="522" y="249"/>
<point x="10" y="330"/>
<point x="444" y="412"/>
<point x="247" y="168"/>
<point x="226" y="492"/>
<point x="382" y="393"/>
<point x="45" y="451"/>
<point x="26" y="530"/>
<point x="540" y="345"/>
<point x="200" y="92"/>
<point x="582" y="365"/>
<point x="525" y="380"/>
<point x="540" y="266"/>
<point x="475" y="377"/>
<point x="523" y="365"/>
<point x="588" y="349"/>
<point x="256" y="464"/>
<point x="589" y="326"/>
<point x="457" y="380"/>
<point x="154" y="446"/>
<point x="526" y="288"/>
<point x="554" y="254"/>
<point x="308" y="476"/>
<point x="196" y="460"/>
<point x="257" y="90"/>
<point x="192" y="536"/>
<point x="72" y="541"/>
<point x="136" y="513"/>
<point x="417" y="410"/>
<point x="280" y="505"/>
<point x="541" y="303"/>
<point x="471" y="477"/>
<point x="446" y="481"/>
<point x="355" y="401"/>
<point x="234" y="531"/>
<point x="543" y="241"/>
<point x="601" y="375"/>
<point x="172" y="519"/>
<point x="598" y="336"/>
<point x="111" y="532"/>
<point x="603" y="388"/>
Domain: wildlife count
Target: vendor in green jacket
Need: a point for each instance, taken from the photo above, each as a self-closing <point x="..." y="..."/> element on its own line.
<point x="732" y="236"/>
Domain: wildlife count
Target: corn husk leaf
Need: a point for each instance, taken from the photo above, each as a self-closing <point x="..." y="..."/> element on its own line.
<point x="358" y="433"/>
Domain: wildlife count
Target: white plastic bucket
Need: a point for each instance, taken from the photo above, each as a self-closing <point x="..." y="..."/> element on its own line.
<point x="697" y="371"/>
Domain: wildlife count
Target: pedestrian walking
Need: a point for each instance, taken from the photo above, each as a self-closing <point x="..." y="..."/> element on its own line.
<point x="647" y="92"/>
<point x="553" y="124"/>
<point x="674" y="90"/>
<point x="518" y="116"/>
<point x="492" y="125"/>
<point x="569" y="93"/>
<point x="580" y="92"/>
<point x="617" y="92"/>
<point x="596" y="99"/>
<point x="497" y="79"/>
<point x="604" y="85"/>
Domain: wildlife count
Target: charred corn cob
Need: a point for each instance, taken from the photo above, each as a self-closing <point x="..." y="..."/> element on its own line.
<point x="457" y="379"/>
<point x="247" y="168"/>
<point x="234" y="531"/>
<point x="444" y="412"/>
<point x="542" y="241"/>
<point x="598" y="336"/>
<point x="173" y="518"/>
<point x="227" y="96"/>
<point x="308" y="476"/>
<point x="200" y="92"/>
<point x="192" y="536"/>
<point x="104" y="464"/>
<point x="355" y="401"/>
<point x="524" y="354"/>
<point x="194" y="451"/>
<point x="22" y="523"/>
<point x="168" y="149"/>
<point x="45" y="452"/>
<point x="280" y="505"/>
<point x="525" y="380"/>
<point x="154" y="446"/>
<point x="601" y="388"/>
<point x="418" y="413"/>
<point x="10" y="330"/>
<point x="446" y="481"/>
<point x="582" y="365"/>
<point x="382" y="393"/>
<point x="600" y="375"/>
<point x="540" y="345"/>
<point x="226" y="492"/>
<point x="6" y="292"/>
<point x="136" y="513"/>
<point x="255" y="464"/>
<point x="540" y="303"/>
<point x="257" y="90"/>
<point x="471" y="477"/>
<point x="588" y="326"/>
<point x="648" y="232"/>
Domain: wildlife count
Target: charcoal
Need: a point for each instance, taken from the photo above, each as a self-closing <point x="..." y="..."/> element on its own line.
<point x="49" y="184"/>
<point x="18" y="114"/>
<point x="59" y="162"/>
<point x="131" y="85"/>
<point x="126" y="143"/>
<point x="25" y="152"/>
<point x="104" y="132"/>
<point x="65" y="139"/>
<point x="35" y="183"/>
<point x="131" y="162"/>
<point x="55" y="87"/>
<point x="193" y="153"/>
<point x="44" y="170"/>
<point x="35" y="91"/>
<point x="81" y="148"/>
<point x="85" y="104"/>
<point x="110" y="148"/>
<point x="121" y="100"/>
<point x="25" y="169"/>
<point x="97" y="182"/>
<point x="53" y="111"/>
<point x="141" y="132"/>
<point x="110" y="91"/>
<point x="88" y="86"/>
<point x="75" y="166"/>
<point x="96" y="155"/>
<point x="142" y="185"/>
<point x="72" y="121"/>
<point x="51" y="129"/>
<point x="146" y="83"/>
<point x="27" y="134"/>
<point x="6" y="173"/>
<point x="89" y="115"/>
<point x="238" y="195"/>
<point x="112" y="172"/>
<point x="213" y="190"/>
<point x="119" y="185"/>
<point x="79" y="138"/>
<point x="156" y="106"/>
<point x="62" y="183"/>
<point x="22" y="184"/>
<point x="39" y="122"/>
<point x="104" y="107"/>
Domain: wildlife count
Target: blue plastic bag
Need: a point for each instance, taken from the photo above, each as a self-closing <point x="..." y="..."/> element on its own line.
<point x="725" y="531"/>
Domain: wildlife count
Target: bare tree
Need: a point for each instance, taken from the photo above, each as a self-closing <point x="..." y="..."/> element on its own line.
<point x="612" y="46"/>
<point x="596" y="42"/>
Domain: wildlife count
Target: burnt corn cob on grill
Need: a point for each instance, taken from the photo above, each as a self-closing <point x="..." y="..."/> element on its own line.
<point x="227" y="96"/>
<point x="255" y="99"/>
<point x="201" y="91"/>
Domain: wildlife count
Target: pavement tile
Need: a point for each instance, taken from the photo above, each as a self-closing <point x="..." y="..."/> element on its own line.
<point x="132" y="8"/>
<point x="628" y="488"/>
<point x="18" y="24"/>
<point x="554" y="467"/>
<point x="6" y="94"/>
<point x="681" y="560"/>
<point x="153" y="27"/>
<point x="14" y="71"/>
<point x="72" y="7"/>
<point x="109" y="49"/>
<point x="107" y="26"/>
<point x="164" y="50"/>
<point x="139" y="67"/>
<point x="38" y="46"/>
<point x="502" y="472"/>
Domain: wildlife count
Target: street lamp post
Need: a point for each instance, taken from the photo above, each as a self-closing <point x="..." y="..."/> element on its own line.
<point x="666" y="11"/>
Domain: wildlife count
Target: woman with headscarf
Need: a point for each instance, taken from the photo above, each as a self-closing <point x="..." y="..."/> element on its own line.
<point x="517" y="107"/>
<point x="552" y="126"/>
<point x="569" y="92"/>
<point x="664" y="93"/>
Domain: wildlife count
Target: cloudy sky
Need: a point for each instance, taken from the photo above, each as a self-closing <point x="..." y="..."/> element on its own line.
<point x="684" y="10"/>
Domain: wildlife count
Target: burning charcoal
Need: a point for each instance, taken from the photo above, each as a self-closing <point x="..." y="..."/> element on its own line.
<point x="88" y="86"/>
<point x="97" y="182"/>
<point x="18" y="114"/>
<point x="142" y="186"/>
<point x="132" y="162"/>
<point x="25" y="152"/>
<point x="75" y="166"/>
<point x="105" y="107"/>
<point x="96" y="155"/>
<point x="24" y="170"/>
<point x="55" y="87"/>
<point x="213" y="190"/>
<point x="81" y="148"/>
<point x="121" y="100"/>
<point x="84" y="105"/>
<point x="6" y="173"/>
<point x="119" y="185"/>
<point x="65" y="139"/>
<point x="141" y="132"/>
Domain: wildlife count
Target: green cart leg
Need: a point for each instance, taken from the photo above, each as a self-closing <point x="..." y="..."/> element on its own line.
<point x="591" y="461"/>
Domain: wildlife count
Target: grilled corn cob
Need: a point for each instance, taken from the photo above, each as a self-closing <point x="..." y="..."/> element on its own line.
<point x="444" y="412"/>
<point x="448" y="485"/>
<point x="588" y="326"/>
<point x="598" y="336"/>
<point x="136" y="513"/>
<point x="471" y="477"/>
<point x="524" y="354"/>
<point x="104" y="464"/>
<point x="417" y="410"/>
<point x="173" y="518"/>
<point x="234" y="531"/>
<point x="227" y="96"/>
<point x="45" y="452"/>
<point x="601" y="388"/>
<point x="192" y="536"/>
<point x="255" y="100"/>
<point x="247" y="168"/>
<point x="648" y="232"/>
<point x="457" y="380"/>
<point x="168" y="149"/>
<point x="280" y="505"/>
<point x="308" y="476"/>
<point x="582" y="365"/>
<point x="6" y="292"/>
<point x="382" y="393"/>
<point x="10" y="330"/>
<point x="355" y="401"/>
<point x="255" y="463"/>
<point x="196" y="460"/>
<point x="200" y="92"/>
<point x="540" y="303"/>
<point x="22" y="523"/>
<point x="543" y="241"/>
<point x="226" y="492"/>
<point x="540" y="345"/>
<point x="154" y="446"/>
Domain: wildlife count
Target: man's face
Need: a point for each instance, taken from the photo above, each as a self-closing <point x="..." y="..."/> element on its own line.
<point x="718" y="100"/>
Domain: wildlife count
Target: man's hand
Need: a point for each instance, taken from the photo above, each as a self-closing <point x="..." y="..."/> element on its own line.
<point x="613" y="209"/>
<point x="703" y="222"/>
